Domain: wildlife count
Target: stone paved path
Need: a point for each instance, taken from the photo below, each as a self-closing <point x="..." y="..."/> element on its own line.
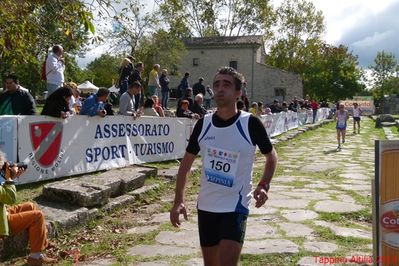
<point x="319" y="207"/>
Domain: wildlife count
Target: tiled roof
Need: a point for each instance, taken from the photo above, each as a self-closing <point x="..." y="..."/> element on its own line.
<point x="223" y="40"/>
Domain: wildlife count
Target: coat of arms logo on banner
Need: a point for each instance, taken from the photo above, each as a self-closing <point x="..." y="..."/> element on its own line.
<point x="46" y="141"/>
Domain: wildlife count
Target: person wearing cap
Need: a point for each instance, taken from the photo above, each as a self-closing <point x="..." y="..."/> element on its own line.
<point x="199" y="87"/>
<point x="127" y="100"/>
<point x="95" y="104"/>
<point x="16" y="100"/>
<point x="227" y="141"/>
<point x="55" y="67"/>
<point x="15" y="219"/>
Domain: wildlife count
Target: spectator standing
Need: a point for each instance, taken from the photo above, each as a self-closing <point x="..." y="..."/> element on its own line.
<point x="125" y="71"/>
<point x="275" y="107"/>
<point x="208" y="97"/>
<point x="57" y="104"/>
<point x="240" y="105"/>
<point x="294" y="105"/>
<point x="315" y="106"/>
<point x="136" y="76"/>
<point x="199" y="87"/>
<point x="25" y="216"/>
<point x="153" y="82"/>
<point x="55" y="67"/>
<point x="95" y="104"/>
<point x="16" y="100"/>
<point x="164" y="82"/>
<point x="254" y="109"/>
<point x="184" y="85"/>
<point x="127" y="100"/>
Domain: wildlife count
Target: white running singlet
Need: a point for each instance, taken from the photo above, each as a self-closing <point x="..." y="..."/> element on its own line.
<point x="227" y="159"/>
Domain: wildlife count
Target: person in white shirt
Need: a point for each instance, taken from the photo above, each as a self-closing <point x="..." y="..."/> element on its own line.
<point x="127" y="100"/>
<point x="55" y="67"/>
<point x="356" y="118"/>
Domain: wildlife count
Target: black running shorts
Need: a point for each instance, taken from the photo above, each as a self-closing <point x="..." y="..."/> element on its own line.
<point x="214" y="227"/>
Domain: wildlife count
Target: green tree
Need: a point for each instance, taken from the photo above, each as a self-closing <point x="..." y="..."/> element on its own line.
<point x="104" y="70"/>
<point x="298" y="30"/>
<point x="29" y="28"/>
<point x="385" y="66"/>
<point x="217" y="18"/>
<point x="384" y="74"/>
<point x="333" y="74"/>
<point x="168" y="54"/>
<point x="130" y="25"/>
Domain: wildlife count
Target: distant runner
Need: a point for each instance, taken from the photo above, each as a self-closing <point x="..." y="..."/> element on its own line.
<point x="341" y="117"/>
<point x="357" y="112"/>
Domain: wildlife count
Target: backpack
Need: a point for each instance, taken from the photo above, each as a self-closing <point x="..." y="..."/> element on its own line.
<point x="43" y="70"/>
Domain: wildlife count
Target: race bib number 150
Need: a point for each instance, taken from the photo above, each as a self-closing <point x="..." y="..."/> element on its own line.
<point x="221" y="166"/>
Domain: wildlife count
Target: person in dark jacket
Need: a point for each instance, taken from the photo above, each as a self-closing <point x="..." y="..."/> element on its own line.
<point x="199" y="87"/>
<point x="164" y="82"/>
<point x="136" y="76"/>
<point x="198" y="107"/>
<point x="185" y="112"/>
<point x="184" y="85"/>
<point x="57" y="104"/>
<point x="125" y="71"/>
<point x="16" y="100"/>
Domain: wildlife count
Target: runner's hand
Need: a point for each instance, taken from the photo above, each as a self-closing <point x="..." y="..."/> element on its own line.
<point x="177" y="209"/>
<point x="260" y="195"/>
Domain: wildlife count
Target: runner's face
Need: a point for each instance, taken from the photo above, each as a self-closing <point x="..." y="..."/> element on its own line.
<point x="225" y="93"/>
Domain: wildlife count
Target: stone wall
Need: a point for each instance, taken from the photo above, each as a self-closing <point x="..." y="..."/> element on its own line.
<point x="262" y="80"/>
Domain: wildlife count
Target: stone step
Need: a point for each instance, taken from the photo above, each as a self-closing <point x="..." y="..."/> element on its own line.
<point x="73" y="202"/>
<point x="95" y="190"/>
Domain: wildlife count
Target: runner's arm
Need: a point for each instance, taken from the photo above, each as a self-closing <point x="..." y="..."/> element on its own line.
<point x="181" y="180"/>
<point x="182" y="175"/>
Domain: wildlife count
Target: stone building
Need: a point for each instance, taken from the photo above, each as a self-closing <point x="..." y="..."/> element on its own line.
<point x="245" y="53"/>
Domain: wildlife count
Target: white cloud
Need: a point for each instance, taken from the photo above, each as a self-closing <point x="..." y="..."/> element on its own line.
<point x="375" y="39"/>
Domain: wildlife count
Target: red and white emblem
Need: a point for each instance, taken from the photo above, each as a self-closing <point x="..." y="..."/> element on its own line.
<point x="46" y="141"/>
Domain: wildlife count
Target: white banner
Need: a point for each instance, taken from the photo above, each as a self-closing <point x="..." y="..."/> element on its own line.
<point x="9" y="137"/>
<point x="55" y="147"/>
<point x="292" y="120"/>
<point x="279" y="123"/>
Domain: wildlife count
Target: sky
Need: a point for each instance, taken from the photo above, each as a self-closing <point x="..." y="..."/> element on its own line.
<point x="365" y="26"/>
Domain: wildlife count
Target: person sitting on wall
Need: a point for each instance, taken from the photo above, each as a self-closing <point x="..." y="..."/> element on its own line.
<point x="185" y="112"/>
<point x="198" y="107"/>
<point x="149" y="108"/>
<point x="57" y="104"/>
<point x="94" y="104"/>
<point x="188" y="97"/>
<point x="127" y="101"/>
<point x="26" y="216"/>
